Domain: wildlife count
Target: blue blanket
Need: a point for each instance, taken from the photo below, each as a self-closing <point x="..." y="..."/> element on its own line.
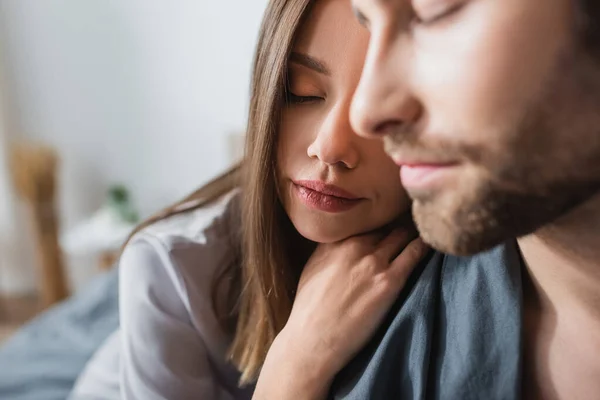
<point x="44" y="358"/>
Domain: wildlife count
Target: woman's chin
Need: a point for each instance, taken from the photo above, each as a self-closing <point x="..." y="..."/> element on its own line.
<point x="321" y="227"/>
<point x="330" y="233"/>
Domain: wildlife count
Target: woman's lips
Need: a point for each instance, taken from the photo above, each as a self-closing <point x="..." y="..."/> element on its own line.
<point x="325" y="197"/>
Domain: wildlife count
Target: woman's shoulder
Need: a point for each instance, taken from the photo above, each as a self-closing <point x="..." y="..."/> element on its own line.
<point x="188" y="249"/>
<point x="167" y="279"/>
<point x="216" y="220"/>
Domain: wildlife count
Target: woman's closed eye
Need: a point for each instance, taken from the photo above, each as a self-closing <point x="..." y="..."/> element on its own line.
<point x="304" y="86"/>
<point x="293" y="98"/>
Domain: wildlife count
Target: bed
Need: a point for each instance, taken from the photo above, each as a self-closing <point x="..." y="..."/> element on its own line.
<point x="44" y="358"/>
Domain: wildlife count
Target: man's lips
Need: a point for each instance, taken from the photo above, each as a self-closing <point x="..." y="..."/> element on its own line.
<point x="416" y="174"/>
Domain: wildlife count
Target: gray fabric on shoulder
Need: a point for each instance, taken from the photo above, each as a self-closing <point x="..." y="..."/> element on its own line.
<point x="454" y="333"/>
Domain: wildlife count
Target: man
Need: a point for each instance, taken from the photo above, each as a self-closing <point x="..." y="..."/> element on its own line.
<point x="492" y="110"/>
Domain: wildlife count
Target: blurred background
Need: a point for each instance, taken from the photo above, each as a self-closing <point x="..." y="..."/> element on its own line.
<point x="109" y="110"/>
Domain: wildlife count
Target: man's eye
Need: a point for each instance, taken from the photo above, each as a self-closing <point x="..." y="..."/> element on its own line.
<point x="428" y="12"/>
<point x="295" y="99"/>
<point x="362" y="19"/>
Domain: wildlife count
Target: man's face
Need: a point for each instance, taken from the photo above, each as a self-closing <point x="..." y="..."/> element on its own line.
<point x="490" y="107"/>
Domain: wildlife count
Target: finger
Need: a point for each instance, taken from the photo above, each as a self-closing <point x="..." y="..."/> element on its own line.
<point x="373" y="238"/>
<point x="393" y="243"/>
<point x="407" y="260"/>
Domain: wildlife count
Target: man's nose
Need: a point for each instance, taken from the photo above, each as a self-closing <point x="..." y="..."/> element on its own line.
<point x="383" y="100"/>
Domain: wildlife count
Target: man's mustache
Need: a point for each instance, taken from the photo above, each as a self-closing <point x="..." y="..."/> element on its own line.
<point x="409" y="143"/>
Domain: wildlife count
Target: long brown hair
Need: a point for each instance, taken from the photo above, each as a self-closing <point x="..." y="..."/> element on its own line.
<point x="272" y="255"/>
<point x="272" y="252"/>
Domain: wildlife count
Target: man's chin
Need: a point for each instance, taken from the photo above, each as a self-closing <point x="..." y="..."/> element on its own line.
<point x="452" y="232"/>
<point x="467" y="223"/>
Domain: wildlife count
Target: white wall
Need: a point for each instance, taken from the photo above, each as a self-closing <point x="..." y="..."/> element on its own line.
<point x="142" y="92"/>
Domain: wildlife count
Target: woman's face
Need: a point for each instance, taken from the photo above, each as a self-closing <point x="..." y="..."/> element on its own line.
<point x="333" y="183"/>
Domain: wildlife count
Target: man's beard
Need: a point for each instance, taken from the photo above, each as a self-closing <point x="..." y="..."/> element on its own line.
<point x="541" y="167"/>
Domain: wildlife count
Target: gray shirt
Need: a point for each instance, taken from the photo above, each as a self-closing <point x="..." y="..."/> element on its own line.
<point x="454" y="333"/>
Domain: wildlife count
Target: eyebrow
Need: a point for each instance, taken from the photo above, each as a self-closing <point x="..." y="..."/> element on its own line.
<point x="310" y="62"/>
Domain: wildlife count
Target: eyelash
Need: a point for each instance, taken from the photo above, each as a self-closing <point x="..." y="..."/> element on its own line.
<point x="294" y="99"/>
<point x="439" y="17"/>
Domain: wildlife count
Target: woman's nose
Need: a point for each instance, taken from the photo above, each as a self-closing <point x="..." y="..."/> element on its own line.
<point x="336" y="143"/>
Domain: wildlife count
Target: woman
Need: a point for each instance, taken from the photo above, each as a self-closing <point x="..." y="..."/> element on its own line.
<point x="207" y="288"/>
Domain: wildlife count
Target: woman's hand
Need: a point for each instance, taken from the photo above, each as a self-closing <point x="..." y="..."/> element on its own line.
<point x="344" y="293"/>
